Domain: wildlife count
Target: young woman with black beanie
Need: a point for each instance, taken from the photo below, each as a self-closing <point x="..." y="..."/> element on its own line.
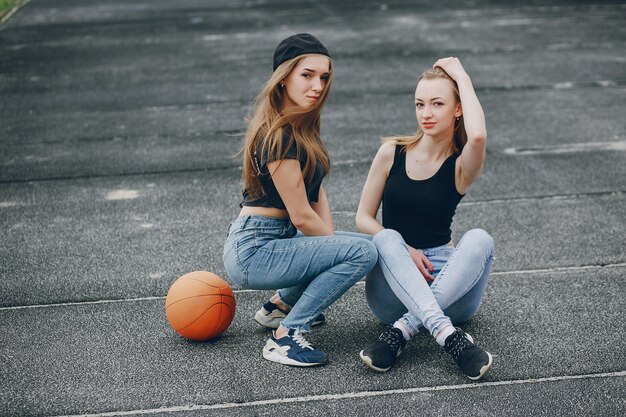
<point x="284" y="237"/>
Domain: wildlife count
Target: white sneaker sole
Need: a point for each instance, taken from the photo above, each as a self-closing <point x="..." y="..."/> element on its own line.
<point x="272" y="320"/>
<point x="368" y="361"/>
<point x="274" y="353"/>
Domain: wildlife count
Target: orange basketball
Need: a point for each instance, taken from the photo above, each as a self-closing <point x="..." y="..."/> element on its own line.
<point x="200" y="305"/>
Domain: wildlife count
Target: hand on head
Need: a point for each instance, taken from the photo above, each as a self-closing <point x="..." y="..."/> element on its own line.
<point x="452" y="66"/>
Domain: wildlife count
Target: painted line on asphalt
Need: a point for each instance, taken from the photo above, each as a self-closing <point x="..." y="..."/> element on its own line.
<point x="555" y="197"/>
<point x="568" y="148"/>
<point x="350" y="395"/>
<point x="80" y="303"/>
<point x="241" y="291"/>
<point x="14" y="10"/>
<point x="564" y="85"/>
<point x="558" y="269"/>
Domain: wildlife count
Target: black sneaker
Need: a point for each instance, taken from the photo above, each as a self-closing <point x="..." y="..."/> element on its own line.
<point x="382" y="354"/>
<point x="270" y="316"/>
<point x="473" y="360"/>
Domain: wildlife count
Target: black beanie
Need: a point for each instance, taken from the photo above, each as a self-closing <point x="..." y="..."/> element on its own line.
<point x="297" y="45"/>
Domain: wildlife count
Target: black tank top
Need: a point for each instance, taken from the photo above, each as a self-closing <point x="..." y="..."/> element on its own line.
<point x="420" y="210"/>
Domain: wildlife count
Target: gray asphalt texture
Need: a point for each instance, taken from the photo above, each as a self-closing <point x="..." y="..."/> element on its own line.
<point x="118" y="125"/>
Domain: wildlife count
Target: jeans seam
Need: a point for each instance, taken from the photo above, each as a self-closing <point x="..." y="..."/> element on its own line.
<point x="382" y="260"/>
<point x="467" y="288"/>
<point x="356" y="273"/>
<point x="450" y="258"/>
<point x="402" y="287"/>
<point x="454" y="252"/>
<point x="473" y="281"/>
<point x="296" y="246"/>
<point x="243" y="269"/>
<point x="345" y="282"/>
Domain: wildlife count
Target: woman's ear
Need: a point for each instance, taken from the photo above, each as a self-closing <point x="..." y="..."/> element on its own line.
<point x="459" y="111"/>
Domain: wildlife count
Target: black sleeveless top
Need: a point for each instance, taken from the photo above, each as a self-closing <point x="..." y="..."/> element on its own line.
<point x="420" y="210"/>
<point x="271" y="197"/>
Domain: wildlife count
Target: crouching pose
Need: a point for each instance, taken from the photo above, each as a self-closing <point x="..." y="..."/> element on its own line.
<point x="423" y="280"/>
<point x="284" y="235"/>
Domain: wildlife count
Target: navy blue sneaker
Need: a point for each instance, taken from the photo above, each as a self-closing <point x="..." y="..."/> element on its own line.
<point x="270" y="315"/>
<point x="473" y="360"/>
<point x="293" y="350"/>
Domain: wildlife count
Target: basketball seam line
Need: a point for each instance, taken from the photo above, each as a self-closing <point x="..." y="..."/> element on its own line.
<point x="205" y="283"/>
<point x="194" y="296"/>
<point x="201" y="315"/>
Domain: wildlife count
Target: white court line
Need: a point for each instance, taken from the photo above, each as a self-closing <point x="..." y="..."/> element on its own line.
<point x="350" y="395"/>
<point x="558" y="269"/>
<point x="77" y="303"/>
<point x="14" y="10"/>
<point x="130" y="300"/>
<point x="568" y="148"/>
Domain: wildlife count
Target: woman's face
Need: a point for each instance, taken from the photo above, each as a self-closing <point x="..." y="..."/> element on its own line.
<point x="436" y="106"/>
<point x="305" y="83"/>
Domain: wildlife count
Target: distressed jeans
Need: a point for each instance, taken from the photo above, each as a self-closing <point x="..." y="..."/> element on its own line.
<point x="312" y="272"/>
<point x="395" y="288"/>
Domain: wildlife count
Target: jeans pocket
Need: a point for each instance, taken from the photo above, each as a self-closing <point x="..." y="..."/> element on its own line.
<point x="233" y="266"/>
<point x="244" y="248"/>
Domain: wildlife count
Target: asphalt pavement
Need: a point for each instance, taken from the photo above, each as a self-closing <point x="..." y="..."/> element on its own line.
<point x="119" y="125"/>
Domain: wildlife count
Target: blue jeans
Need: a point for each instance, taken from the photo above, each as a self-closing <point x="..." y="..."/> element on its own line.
<point x="395" y="288"/>
<point x="313" y="271"/>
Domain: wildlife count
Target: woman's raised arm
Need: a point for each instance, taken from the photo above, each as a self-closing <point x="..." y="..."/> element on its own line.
<point x="473" y="155"/>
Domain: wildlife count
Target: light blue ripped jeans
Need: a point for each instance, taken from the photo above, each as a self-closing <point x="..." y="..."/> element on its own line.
<point x="395" y="288"/>
<point x="312" y="272"/>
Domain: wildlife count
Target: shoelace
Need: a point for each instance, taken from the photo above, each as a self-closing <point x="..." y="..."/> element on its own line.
<point x="391" y="338"/>
<point x="458" y="343"/>
<point x="298" y="337"/>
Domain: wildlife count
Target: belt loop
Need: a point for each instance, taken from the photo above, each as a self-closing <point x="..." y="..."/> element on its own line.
<point x="243" y="225"/>
<point x="228" y="228"/>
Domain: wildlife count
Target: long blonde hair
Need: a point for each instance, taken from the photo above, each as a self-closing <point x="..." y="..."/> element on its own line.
<point x="267" y="125"/>
<point x="459" y="135"/>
